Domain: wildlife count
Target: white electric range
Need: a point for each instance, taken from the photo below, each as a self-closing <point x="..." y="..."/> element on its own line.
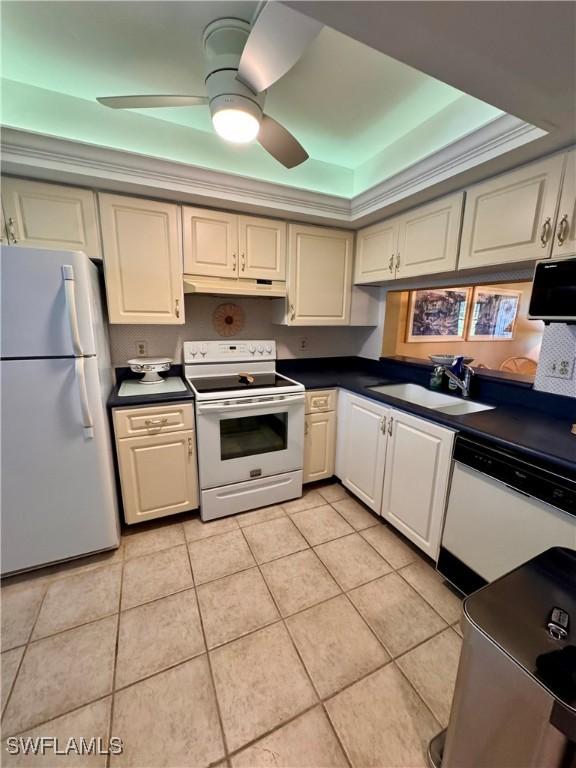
<point x="249" y="424"/>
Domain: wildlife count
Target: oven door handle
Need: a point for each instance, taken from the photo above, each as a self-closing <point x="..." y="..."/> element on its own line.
<point x="223" y="408"/>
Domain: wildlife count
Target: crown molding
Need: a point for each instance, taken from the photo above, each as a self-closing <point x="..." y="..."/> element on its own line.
<point x="501" y="135"/>
<point x="53" y="159"/>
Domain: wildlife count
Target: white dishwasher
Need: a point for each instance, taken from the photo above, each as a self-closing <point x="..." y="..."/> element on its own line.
<point x="502" y="511"/>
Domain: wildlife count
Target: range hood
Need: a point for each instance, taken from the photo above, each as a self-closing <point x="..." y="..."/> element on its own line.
<point x="230" y="286"/>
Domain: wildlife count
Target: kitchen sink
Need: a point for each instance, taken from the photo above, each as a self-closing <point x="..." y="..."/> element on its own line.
<point x="414" y="393"/>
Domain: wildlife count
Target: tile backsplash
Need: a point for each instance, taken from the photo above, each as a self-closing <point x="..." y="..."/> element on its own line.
<point x="166" y="340"/>
<point x="558" y="344"/>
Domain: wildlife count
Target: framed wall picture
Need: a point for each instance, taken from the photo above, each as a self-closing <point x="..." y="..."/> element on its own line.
<point x="493" y="315"/>
<point x="437" y="314"/>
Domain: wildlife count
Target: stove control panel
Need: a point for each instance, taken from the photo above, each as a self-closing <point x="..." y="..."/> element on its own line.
<point x="228" y="351"/>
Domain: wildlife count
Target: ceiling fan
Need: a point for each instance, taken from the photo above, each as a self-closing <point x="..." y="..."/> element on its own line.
<point x="241" y="62"/>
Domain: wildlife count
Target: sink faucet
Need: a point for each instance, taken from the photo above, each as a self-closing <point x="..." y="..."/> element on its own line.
<point x="462" y="383"/>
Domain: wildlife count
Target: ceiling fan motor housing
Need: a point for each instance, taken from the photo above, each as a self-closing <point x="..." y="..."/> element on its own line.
<point x="224" y="41"/>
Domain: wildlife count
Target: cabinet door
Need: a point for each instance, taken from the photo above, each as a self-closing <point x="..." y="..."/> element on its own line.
<point x="319" y="276"/>
<point x="3" y="230"/>
<point x="142" y="260"/>
<point x="418" y="459"/>
<point x="565" y="235"/>
<point x="376" y="252"/>
<point x="210" y="242"/>
<point x="51" y="216"/>
<point x="428" y="238"/>
<point x="319" y="445"/>
<point x="364" y="450"/>
<point x="158" y="474"/>
<point x="511" y="217"/>
<point x="262" y="248"/>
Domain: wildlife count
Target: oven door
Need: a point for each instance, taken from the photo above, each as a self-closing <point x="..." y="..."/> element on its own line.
<point x="248" y="438"/>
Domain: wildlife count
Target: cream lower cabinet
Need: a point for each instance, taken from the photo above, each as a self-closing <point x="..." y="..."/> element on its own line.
<point x="416" y="478"/>
<point x="158" y="468"/>
<point x="319" y="289"/>
<point x="565" y="234"/>
<point x="319" y="435"/>
<point x="142" y="260"/>
<point x="512" y="217"/>
<point x="361" y="450"/>
<point x="40" y="215"/>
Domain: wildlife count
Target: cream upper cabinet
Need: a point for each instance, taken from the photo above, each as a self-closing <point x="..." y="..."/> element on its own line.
<point x="511" y="217"/>
<point x="376" y="249"/>
<point x="158" y="475"/>
<point x="261" y="248"/>
<point x="428" y="238"/>
<point x="565" y="234"/>
<point x="362" y="447"/>
<point x="418" y="458"/>
<point x="142" y="260"/>
<point x="319" y="276"/>
<point x="40" y="215"/>
<point x="210" y="242"/>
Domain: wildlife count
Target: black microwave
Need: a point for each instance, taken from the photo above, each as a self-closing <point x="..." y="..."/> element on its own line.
<point x="553" y="296"/>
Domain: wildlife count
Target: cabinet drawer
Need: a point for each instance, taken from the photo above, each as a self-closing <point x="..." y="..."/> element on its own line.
<point x="131" y="422"/>
<point x="321" y="400"/>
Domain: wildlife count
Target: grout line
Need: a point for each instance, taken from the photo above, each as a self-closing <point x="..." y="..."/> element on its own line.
<point x="116" y="647"/>
<point x="209" y="662"/>
<point x="26" y="645"/>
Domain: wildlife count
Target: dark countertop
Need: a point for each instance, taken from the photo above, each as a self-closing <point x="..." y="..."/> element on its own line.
<point x="540" y="436"/>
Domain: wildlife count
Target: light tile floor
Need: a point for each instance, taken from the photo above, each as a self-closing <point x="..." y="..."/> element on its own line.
<point x="303" y="634"/>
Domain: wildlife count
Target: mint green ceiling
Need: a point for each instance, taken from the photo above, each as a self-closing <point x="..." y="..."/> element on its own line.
<point x="361" y="115"/>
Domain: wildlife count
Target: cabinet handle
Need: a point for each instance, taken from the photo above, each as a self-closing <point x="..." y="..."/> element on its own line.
<point x="383" y="425"/>
<point x="546" y="232"/>
<point x="177" y="308"/>
<point x="391" y="264"/>
<point x="563" y="227"/>
<point x="155" y="422"/>
<point x="190" y="446"/>
<point x="390" y="423"/>
<point x="11" y="231"/>
<point x="397" y="261"/>
<point x="306" y="427"/>
<point x="292" y="312"/>
<point x="243" y="258"/>
<point x="234" y="262"/>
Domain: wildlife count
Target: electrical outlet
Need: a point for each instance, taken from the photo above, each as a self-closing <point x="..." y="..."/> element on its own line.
<point x="560" y="368"/>
<point x="141" y="348"/>
<point x="303" y="344"/>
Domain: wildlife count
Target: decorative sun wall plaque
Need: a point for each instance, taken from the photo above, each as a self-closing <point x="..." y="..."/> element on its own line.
<point x="228" y="319"/>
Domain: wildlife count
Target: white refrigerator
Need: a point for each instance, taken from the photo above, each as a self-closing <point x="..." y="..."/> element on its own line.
<point x="58" y="490"/>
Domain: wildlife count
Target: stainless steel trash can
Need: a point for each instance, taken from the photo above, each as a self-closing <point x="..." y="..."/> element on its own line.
<point x="514" y="702"/>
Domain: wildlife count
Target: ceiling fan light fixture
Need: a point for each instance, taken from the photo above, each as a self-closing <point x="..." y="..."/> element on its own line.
<point x="236" y="125"/>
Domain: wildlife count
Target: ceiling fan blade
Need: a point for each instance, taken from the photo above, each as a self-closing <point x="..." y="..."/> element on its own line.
<point x="143" y="102"/>
<point x="278" y="38"/>
<point x="280" y="143"/>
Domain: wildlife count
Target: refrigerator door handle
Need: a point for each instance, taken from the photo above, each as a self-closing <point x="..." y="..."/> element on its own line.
<point x="88" y="422"/>
<point x="69" y="289"/>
